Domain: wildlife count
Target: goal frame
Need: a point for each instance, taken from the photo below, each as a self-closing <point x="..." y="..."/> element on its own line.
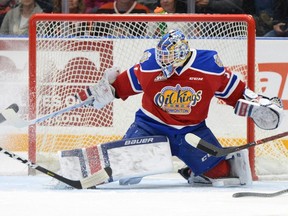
<point x="251" y="37"/>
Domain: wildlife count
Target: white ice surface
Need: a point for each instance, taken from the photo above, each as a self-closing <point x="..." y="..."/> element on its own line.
<point x="161" y="195"/>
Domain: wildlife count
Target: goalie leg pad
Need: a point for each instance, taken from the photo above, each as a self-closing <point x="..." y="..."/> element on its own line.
<point x="240" y="167"/>
<point x="131" y="159"/>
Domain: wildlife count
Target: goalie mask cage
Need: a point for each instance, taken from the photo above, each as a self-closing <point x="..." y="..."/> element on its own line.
<point x="69" y="52"/>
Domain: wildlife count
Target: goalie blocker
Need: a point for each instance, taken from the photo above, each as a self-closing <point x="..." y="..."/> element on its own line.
<point x="130" y="159"/>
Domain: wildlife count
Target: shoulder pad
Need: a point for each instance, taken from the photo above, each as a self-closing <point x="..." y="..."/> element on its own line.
<point x="208" y="61"/>
<point x="148" y="60"/>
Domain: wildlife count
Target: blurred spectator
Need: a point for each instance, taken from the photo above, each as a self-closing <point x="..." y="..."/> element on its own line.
<point x="280" y="19"/>
<point x="262" y="12"/>
<point x="219" y="6"/>
<point x="46" y="5"/>
<point x="216" y="7"/>
<point x="75" y="6"/>
<point x="5" y="6"/>
<point x="93" y="5"/>
<point x="151" y="4"/>
<point x="16" y="21"/>
<point x="122" y="28"/>
<point x="123" y="7"/>
<point x="171" y="6"/>
<point x="166" y="7"/>
<point x="77" y="28"/>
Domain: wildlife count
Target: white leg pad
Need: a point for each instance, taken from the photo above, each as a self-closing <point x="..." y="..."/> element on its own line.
<point x="240" y="166"/>
<point x="129" y="159"/>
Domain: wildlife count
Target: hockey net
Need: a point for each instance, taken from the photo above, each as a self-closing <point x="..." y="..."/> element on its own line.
<point x="70" y="52"/>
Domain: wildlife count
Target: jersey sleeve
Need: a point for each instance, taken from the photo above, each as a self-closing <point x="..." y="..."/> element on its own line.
<point x="227" y="85"/>
<point x="232" y="88"/>
<point x="127" y="83"/>
<point x="131" y="81"/>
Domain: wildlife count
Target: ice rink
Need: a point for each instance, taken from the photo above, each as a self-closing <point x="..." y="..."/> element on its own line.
<point x="161" y="195"/>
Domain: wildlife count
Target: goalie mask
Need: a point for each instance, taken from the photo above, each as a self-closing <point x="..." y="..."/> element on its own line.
<point x="172" y="51"/>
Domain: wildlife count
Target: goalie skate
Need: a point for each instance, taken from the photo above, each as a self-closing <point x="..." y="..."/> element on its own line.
<point x="240" y="173"/>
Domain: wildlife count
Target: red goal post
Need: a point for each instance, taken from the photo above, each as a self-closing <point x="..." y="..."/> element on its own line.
<point x="68" y="52"/>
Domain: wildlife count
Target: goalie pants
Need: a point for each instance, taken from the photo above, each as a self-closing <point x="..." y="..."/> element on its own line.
<point x="198" y="161"/>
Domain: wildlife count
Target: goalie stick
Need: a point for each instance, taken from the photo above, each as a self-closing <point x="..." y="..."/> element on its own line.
<point x="209" y="148"/>
<point x="10" y="115"/>
<point x="89" y="182"/>
<point x="256" y="194"/>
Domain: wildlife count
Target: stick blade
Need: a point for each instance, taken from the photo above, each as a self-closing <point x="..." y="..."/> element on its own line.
<point x="192" y="139"/>
<point x="13" y="107"/>
<point x="259" y="194"/>
<point x="201" y="144"/>
<point x="97" y="178"/>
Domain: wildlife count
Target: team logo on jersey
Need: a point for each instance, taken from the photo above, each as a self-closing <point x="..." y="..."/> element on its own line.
<point x="146" y="55"/>
<point x="177" y="100"/>
<point x="218" y="61"/>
